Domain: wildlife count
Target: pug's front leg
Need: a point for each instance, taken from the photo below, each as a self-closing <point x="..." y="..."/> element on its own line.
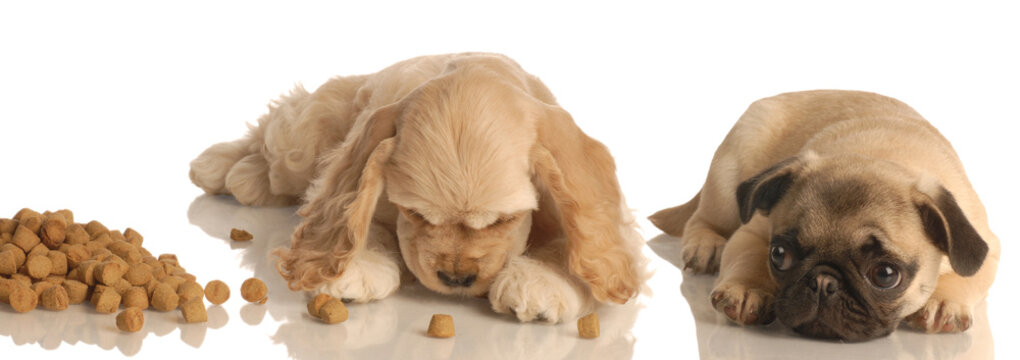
<point x="371" y="274"/>
<point x="744" y="291"/>
<point x="538" y="287"/>
<point x="951" y="306"/>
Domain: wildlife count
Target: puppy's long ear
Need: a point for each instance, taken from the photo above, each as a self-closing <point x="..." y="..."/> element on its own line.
<point x="950" y="230"/>
<point x="763" y="191"/>
<point x="580" y="175"/>
<point x="340" y="205"/>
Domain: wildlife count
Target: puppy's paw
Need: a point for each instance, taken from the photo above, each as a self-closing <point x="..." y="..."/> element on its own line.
<point x="533" y="291"/>
<point x="370" y="275"/>
<point x="702" y="252"/>
<point x="209" y="170"/>
<point x="744" y="305"/>
<point x="942" y="316"/>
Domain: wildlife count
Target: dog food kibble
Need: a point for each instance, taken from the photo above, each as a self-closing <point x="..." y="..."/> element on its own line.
<point x="38" y="266"/>
<point x="189" y="290"/>
<point x="54" y="298"/>
<point x="53" y="231"/>
<point x="217" y="292"/>
<point x="138" y="274"/>
<point x="441" y="326"/>
<point x="77" y="291"/>
<point x="254" y="290"/>
<point x="8" y="263"/>
<point x="333" y="311"/>
<point x="240" y="235"/>
<point x="24" y="238"/>
<point x="316" y="303"/>
<point x="194" y="311"/>
<point x="48" y="260"/>
<point x="164" y="298"/>
<point x="135" y="297"/>
<point x="588" y="326"/>
<point x="107" y="301"/>
<point x="130" y="320"/>
<point x="23" y="299"/>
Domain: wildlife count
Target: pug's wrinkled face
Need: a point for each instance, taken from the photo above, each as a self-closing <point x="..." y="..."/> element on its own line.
<point x="850" y="255"/>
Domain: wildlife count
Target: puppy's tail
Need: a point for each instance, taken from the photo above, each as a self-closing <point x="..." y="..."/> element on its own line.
<point x="673" y="220"/>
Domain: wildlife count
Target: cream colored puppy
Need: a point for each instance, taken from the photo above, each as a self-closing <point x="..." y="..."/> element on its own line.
<point x="460" y="169"/>
<point x="840" y="213"/>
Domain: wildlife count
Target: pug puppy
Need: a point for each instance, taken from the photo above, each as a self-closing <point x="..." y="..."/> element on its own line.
<point x="840" y="213"/>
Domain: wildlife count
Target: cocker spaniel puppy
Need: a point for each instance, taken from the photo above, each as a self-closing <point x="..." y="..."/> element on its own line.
<point x="461" y="169"/>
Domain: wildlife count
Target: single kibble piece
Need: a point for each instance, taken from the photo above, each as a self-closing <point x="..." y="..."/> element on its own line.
<point x="108" y="301"/>
<point x="175" y="282"/>
<point x="95" y="228"/>
<point x="334" y="311"/>
<point x="76" y="254"/>
<point x="441" y="326"/>
<point x="8" y="263"/>
<point x="240" y="235"/>
<point x="59" y="262"/>
<point x="87" y="272"/>
<point x="133" y="237"/>
<point x="6" y="286"/>
<point x="53" y="230"/>
<point x="25" y="239"/>
<point x="7" y="226"/>
<point x="41" y="286"/>
<point x="76" y="235"/>
<point x="138" y="274"/>
<point x="77" y="291"/>
<point x="38" y="266"/>
<point x="130" y="320"/>
<point x="316" y="304"/>
<point x="588" y="326"/>
<point x="30" y="219"/>
<point x="38" y="250"/>
<point x="23" y="299"/>
<point x="189" y="290"/>
<point x="217" y="292"/>
<point x="194" y="311"/>
<point x="54" y="298"/>
<point x="254" y="290"/>
<point x="136" y="297"/>
<point x="164" y="298"/>
<point x="109" y="272"/>
<point x="22" y="279"/>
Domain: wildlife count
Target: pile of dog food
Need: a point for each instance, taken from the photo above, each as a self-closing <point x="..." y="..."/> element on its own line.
<point x="49" y="260"/>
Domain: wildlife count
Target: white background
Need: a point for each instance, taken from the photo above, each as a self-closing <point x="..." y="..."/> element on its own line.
<point x="102" y="104"/>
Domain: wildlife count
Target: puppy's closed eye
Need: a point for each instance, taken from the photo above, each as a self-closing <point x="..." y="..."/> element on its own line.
<point x="413" y="215"/>
<point x="504" y="220"/>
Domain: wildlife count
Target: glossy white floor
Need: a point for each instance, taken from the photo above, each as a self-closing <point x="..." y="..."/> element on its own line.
<point x="103" y="106"/>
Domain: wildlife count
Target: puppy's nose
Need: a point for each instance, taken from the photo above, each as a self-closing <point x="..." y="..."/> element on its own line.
<point x="453" y="280"/>
<point x="824" y="283"/>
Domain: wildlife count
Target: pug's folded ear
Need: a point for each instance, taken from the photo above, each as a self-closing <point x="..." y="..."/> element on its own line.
<point x="949" y="229"/>
<point x="763" y="191"/>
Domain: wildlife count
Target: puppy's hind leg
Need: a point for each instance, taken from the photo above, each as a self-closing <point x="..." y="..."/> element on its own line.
<point x="209" y="170"/>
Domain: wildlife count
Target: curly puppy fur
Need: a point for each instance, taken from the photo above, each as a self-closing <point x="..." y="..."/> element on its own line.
<point x="460" y="168"/>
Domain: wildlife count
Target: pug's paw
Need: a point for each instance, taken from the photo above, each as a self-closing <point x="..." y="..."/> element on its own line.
<point x="702" y="252"/>
<point x="942" y="316"/>
<point x="744" y="305"/>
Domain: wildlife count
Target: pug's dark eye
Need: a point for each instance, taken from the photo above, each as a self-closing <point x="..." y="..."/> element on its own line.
<point x="884" y="276"/>
<point x="781" y="258"/>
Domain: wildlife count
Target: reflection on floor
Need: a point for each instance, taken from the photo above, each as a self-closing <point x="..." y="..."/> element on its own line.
<point x="718" y="339"/>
